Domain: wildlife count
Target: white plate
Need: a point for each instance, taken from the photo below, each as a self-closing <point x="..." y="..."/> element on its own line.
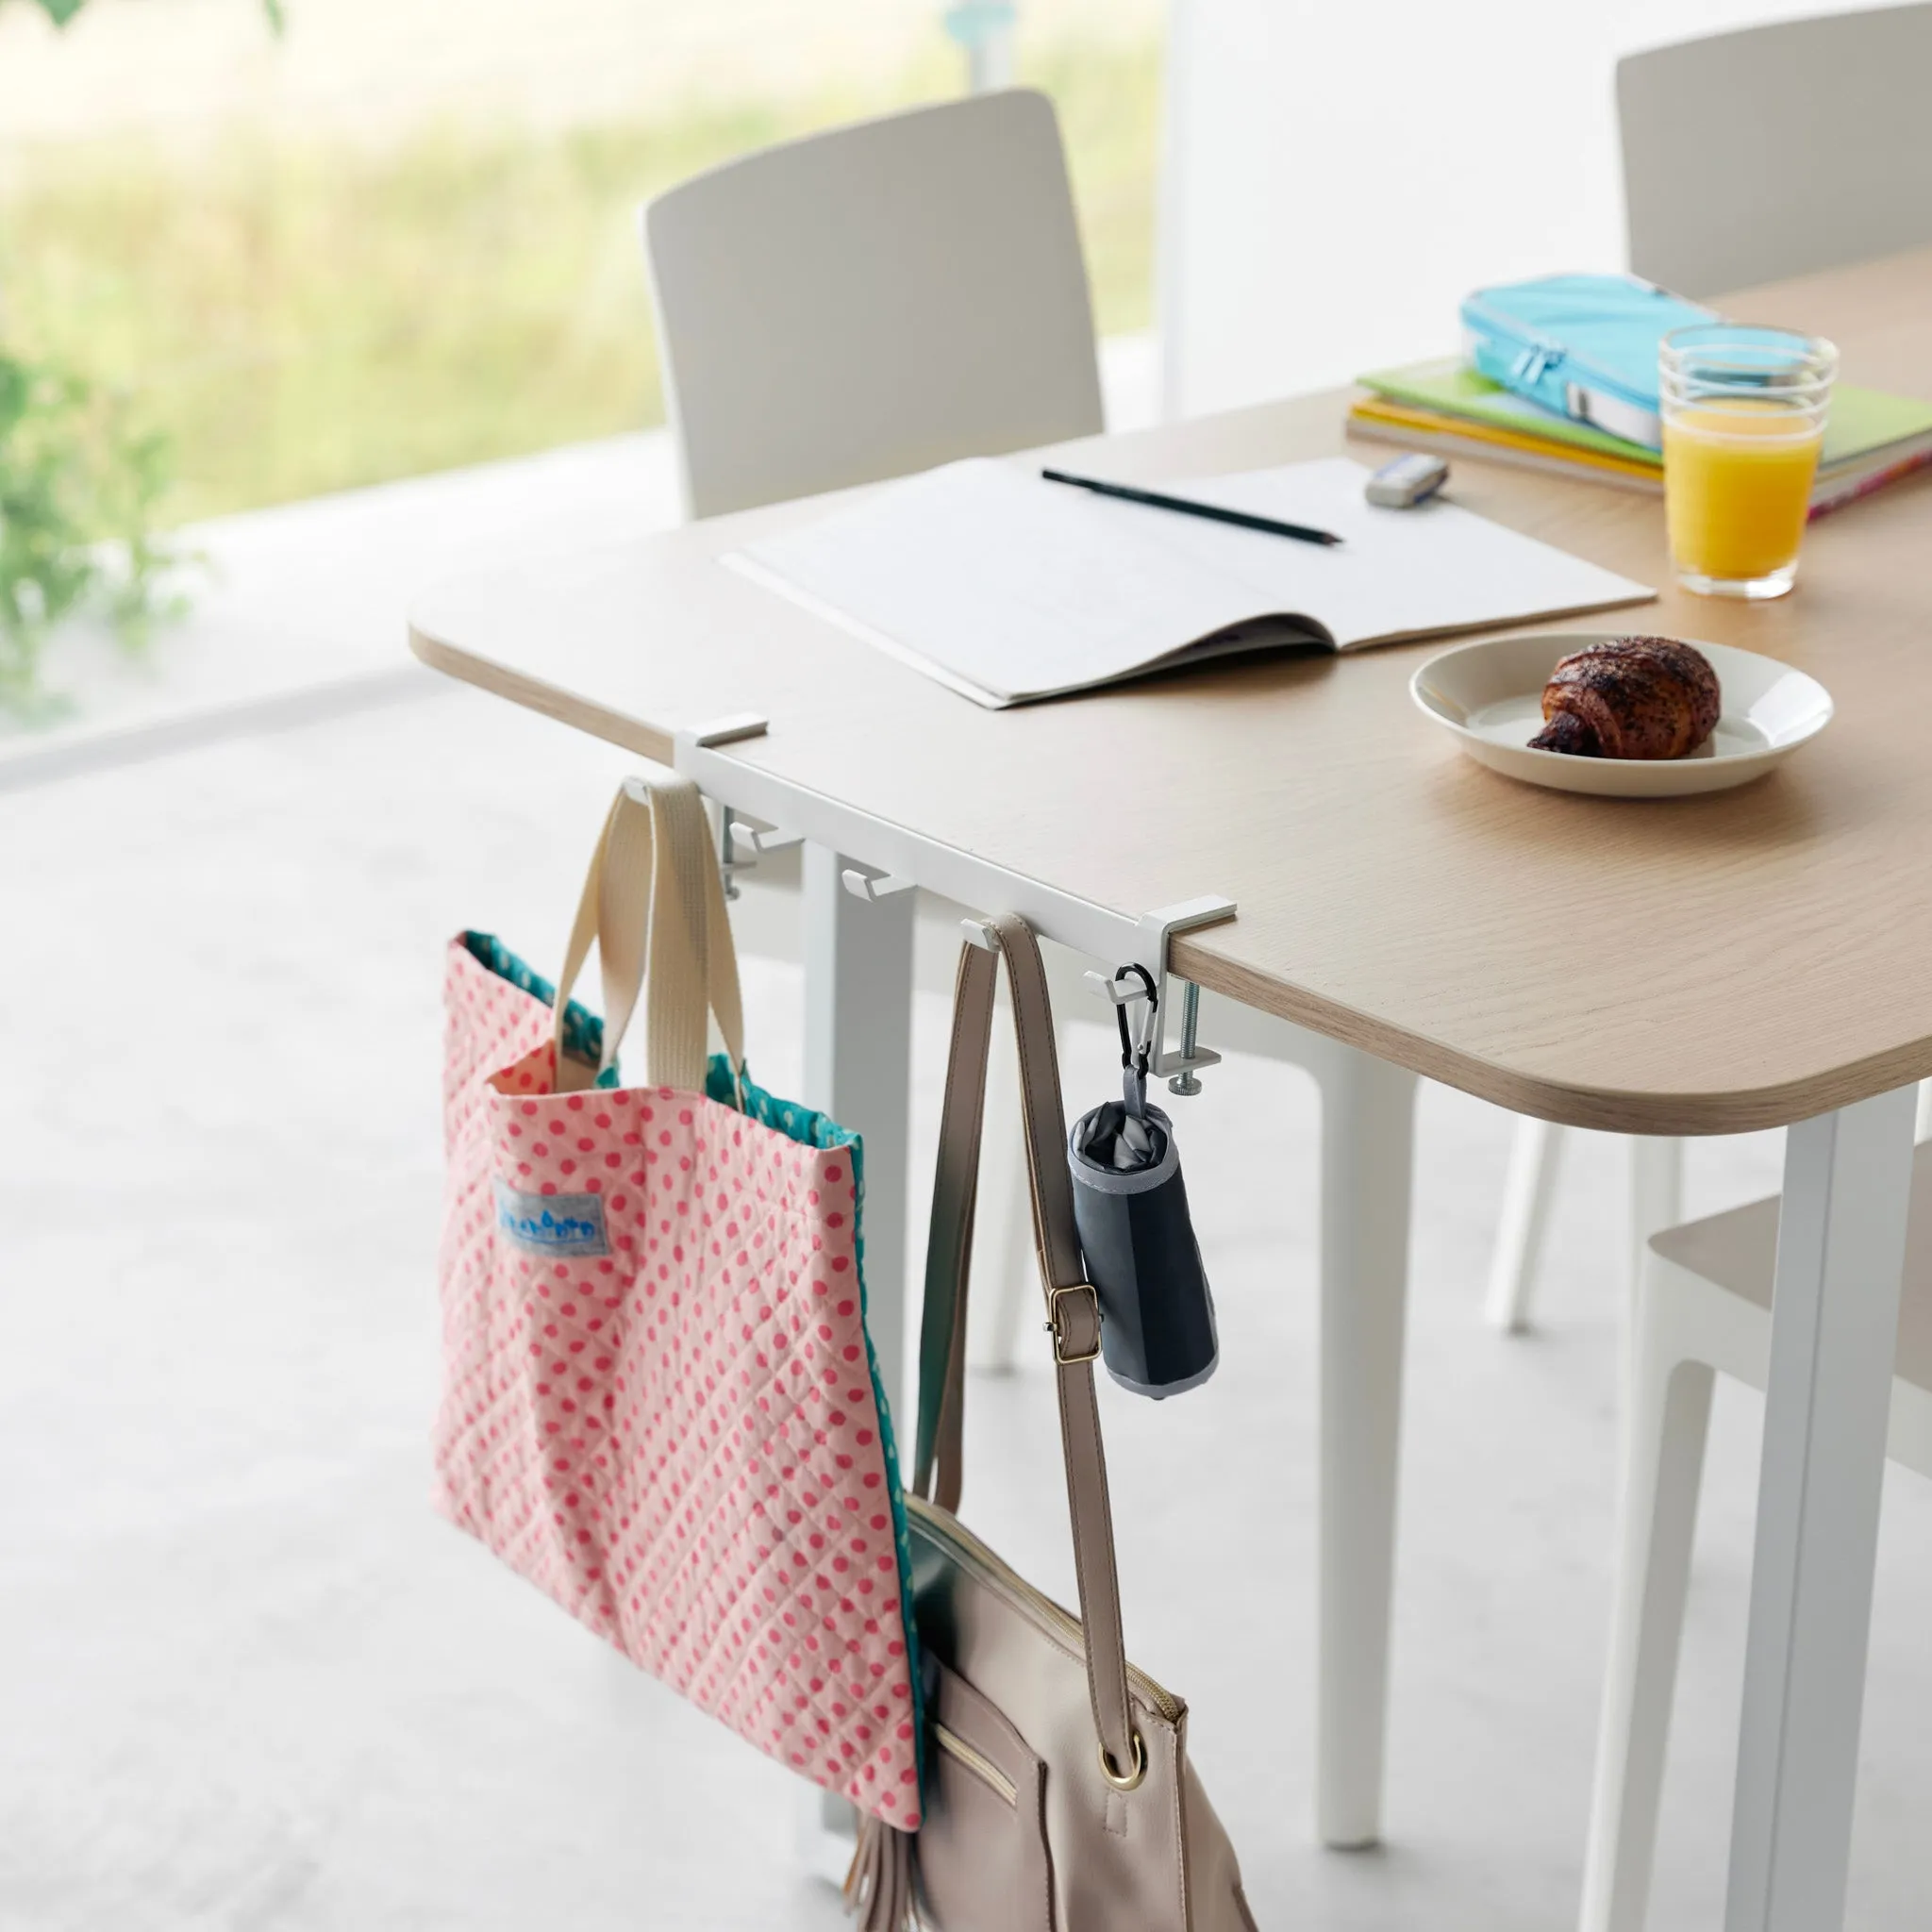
<point x="1489" y="694"/>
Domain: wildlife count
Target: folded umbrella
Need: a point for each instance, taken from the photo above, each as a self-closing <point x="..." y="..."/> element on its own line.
<point x="1130" y="1205"/>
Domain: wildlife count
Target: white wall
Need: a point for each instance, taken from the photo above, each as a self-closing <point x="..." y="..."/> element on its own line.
<point x="1340" y="173"/>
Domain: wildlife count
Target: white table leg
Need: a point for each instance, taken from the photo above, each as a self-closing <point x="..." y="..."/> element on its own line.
<point x="1368" y="1130"/>
<point x="857" y="1068"/>
<point x="1657" y="1196"/>
<point x="1841" y="1253"/>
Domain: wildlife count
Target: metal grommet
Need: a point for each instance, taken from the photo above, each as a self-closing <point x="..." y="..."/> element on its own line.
<point x="1132" y="1781"/>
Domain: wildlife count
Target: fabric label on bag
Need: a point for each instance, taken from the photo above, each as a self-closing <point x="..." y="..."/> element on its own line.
<point x="551" y="1223"/>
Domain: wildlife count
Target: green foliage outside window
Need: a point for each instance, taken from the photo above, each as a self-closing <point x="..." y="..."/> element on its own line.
<point x="61" y="12"/>
<point x="78" y="486"/>
<point x="272" y="314"/>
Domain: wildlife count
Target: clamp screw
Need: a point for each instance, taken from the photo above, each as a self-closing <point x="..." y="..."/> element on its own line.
<point x="1188" y="1082"/>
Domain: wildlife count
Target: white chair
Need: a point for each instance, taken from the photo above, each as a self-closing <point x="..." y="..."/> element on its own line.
<point x="883" y="297"/>
<point x="858" y="305"/>
<point x="871" y="301"/>
<point x="1704" y="1304"/>
<point x="1772" y="151"/>
<point x="1748" y="157"/>
<point x="855" y="305"/>
<point x="1655" y="1197"/>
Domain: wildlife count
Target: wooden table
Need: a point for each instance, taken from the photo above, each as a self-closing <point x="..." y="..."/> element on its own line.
<point x="1709" y="965"/>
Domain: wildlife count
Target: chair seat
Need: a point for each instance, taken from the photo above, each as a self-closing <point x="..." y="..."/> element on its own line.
<point x="1737" y="1250"/>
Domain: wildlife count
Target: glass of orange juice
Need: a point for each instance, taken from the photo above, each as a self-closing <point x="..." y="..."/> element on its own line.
<point x="1743" y="419"/>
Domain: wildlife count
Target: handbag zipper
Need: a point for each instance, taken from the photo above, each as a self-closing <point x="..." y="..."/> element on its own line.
<point x="974" y="1555"/>
<point x="977" y="1763"/>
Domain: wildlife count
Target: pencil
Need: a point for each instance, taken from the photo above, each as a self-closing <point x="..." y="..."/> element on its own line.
<point x="1241" y="519"/>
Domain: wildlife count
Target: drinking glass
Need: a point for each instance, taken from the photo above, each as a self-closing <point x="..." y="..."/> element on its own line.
<point x="1743" y="419"/>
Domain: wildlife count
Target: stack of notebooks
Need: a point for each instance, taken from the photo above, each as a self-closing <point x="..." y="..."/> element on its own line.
<point x="1870" y="440"/>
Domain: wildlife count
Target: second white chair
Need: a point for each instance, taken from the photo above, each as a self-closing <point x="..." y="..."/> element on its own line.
<point x="1704" y="1306"/>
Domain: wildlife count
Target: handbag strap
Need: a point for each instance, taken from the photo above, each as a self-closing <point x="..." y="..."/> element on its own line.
<point x="1073" y="1308"/>
<point x="937" y="1473"/>
<point x="654" y="903"/>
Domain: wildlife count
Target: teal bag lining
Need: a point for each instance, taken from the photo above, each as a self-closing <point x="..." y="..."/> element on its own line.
<point x="583" y="1032"/>
<point x="583" y="1040"/>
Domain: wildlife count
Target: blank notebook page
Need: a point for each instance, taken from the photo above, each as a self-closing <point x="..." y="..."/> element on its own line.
<point x="1008" y="588"/>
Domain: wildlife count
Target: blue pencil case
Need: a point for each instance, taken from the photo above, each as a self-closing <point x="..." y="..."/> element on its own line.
<point x="1583" y="345"/>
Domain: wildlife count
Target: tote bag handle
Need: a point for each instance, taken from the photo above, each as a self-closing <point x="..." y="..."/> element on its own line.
<point x="653" y="902"/>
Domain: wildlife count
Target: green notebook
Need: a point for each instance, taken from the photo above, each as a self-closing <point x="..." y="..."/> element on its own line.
<point x="1864" y="424"/>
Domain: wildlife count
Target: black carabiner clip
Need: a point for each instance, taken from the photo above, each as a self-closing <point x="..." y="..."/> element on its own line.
<point x="1136" y="1055"/>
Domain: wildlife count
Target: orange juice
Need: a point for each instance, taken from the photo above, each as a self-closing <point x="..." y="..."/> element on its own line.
<point x="1737" y="485"/>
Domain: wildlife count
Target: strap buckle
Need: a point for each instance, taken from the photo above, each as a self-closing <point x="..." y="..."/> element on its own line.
<point x="1056" y="1323"/>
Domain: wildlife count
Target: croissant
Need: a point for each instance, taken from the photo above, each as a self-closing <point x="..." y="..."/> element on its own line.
<point x="1630" y="698"/>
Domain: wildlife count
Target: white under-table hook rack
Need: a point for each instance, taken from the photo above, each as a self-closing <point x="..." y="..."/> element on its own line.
<point x="762" y="839"/>
<point x="742" y="844"/>
<point x="889" y="859"/>
<point x="1182" y="1067"/>
<point x="865" y="885"/>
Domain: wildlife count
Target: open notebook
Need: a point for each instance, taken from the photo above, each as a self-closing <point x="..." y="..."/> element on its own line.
<point x="1007" y="589"/>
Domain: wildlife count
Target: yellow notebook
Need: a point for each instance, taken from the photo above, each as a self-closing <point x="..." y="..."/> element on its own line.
<point x="1384" y="421"/>
<point x="1381" y="419"/>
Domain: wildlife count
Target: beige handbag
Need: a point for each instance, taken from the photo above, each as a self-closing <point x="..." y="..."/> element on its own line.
<point x="1057" y="1792"/>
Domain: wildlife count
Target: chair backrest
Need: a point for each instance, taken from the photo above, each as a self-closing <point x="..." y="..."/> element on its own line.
<point x="871" y="301"/>
<point x="1751" y="157"/>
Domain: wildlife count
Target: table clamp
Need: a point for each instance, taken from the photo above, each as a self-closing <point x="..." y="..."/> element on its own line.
<point x="762" y="812"/>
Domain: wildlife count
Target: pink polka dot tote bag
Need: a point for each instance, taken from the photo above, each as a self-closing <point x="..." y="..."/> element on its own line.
<point x="660" y="1402"/>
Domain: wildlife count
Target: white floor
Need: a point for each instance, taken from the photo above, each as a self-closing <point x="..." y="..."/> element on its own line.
<point x="249" y="1681"/>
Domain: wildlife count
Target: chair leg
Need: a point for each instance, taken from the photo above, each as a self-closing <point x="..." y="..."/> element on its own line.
<point x="1656" y="1195"/>
<point x="1534" y="1160"/>
<point x="857" y="1066"/>
<point x="824" y="1833"/>
<point x="1668" y="1422"/>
